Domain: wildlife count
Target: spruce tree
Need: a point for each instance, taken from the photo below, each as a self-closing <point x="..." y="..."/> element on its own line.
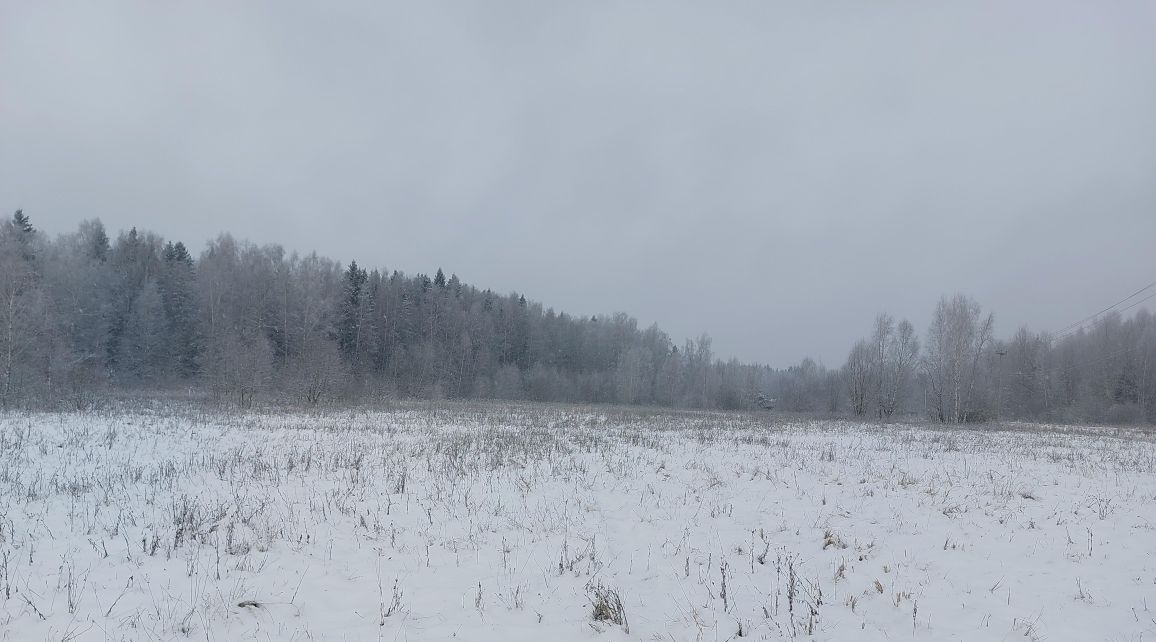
<point x="98" y="247"/>
<point x="176" y="282"/>
<point x="349" y="315"/>
<point x="22" y="222"/>
<point x="24" y="234"/>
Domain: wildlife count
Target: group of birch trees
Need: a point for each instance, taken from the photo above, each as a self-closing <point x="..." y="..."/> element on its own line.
<point x="1101" y="371"/>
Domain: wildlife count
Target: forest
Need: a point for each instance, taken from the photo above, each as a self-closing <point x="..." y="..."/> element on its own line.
<point x="84" y="315"/>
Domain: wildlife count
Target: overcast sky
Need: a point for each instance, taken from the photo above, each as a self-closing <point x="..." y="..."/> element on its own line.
<point x="773" y="174"/>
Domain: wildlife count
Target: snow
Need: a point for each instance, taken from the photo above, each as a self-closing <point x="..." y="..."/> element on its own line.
<point x="496" y="522"/>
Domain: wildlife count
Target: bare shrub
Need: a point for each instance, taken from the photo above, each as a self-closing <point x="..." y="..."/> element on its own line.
<point x="607" y="605"/>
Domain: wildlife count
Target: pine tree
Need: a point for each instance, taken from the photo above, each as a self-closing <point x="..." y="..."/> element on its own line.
<point x="440" y="279"/>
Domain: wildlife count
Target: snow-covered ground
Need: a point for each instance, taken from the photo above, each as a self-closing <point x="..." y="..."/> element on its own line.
<point x="507" y="523"/>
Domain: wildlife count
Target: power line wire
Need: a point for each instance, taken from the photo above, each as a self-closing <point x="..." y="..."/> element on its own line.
<point x="1075" y="327"/>
<point x="1150" y="296"/>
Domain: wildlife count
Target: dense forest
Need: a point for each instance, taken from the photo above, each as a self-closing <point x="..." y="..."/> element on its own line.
<point x="84" y="314"/>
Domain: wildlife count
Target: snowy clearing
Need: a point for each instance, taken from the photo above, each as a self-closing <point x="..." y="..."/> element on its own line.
<point x="521" y="522"/>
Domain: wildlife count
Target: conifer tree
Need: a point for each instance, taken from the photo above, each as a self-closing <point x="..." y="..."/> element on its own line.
<point x="348" y="332"/>
<point x="175" y="282"/>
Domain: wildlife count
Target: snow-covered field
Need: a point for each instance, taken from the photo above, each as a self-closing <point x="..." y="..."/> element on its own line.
<point x="523" y="522"/>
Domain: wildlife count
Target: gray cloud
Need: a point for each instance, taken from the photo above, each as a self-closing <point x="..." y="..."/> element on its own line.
<point x="774" y="175"/>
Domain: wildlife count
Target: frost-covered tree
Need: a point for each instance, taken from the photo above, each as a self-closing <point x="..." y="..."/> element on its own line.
<point x="22" y="309"/>
<point x="900" y="360"/>
<point x="859" y="376"/>
<point x="176" y="281"/>
<point x="956" y="341"/>
<point x="80" y="313"/>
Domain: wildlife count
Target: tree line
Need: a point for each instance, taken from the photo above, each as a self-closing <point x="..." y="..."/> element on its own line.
<point x="84" y="314"/>
<point x="1100" y="371"/>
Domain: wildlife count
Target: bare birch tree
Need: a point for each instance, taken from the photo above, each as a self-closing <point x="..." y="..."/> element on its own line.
<point x="859" y="376"/>
<point x="956" y="340"/>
